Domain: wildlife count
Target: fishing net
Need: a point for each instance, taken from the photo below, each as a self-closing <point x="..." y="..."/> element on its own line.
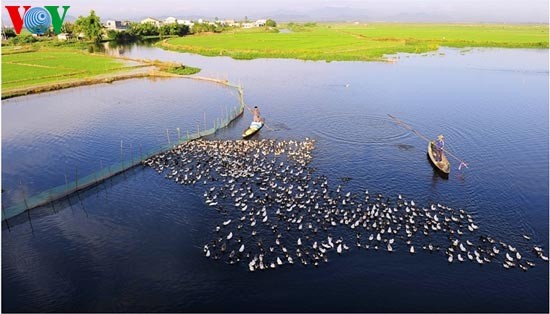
<point x="50" y="195"/>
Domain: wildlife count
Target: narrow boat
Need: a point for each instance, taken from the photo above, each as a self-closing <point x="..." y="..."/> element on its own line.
<point x="253" y="129"/>
<point x="443" y="166"/>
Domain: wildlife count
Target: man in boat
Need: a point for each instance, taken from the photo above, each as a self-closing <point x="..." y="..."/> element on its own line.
<point x="257" y="116"/>
<point x="439" y="144"/>
<point x="258" y="121"/>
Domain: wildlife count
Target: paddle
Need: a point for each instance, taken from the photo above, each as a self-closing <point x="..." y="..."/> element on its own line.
<point x="408" y="127"/>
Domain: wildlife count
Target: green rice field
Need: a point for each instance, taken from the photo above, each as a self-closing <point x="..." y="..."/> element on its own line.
<point x="24" y="67"/>
<point x="341" y="42"/>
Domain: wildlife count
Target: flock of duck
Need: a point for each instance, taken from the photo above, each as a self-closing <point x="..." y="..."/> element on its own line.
<point x="277" y="211"/>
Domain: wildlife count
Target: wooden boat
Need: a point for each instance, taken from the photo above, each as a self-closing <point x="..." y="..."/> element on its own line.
<point x="443" y="166"/>
<point x="253" y="129"/>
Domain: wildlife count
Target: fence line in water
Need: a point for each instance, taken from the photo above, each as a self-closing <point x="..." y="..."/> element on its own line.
<point x="49" y="196"/>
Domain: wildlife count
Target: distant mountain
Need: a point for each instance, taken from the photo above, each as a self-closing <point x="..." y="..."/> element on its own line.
<point x="70" y="18"/>
<point x="346" y="14"/>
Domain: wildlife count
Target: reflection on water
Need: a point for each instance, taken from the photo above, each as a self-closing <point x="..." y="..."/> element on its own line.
<point x="121" y="49"/>
<point x="132" y="244"/>
<point x="404" y="146"/>
<point x="85" y="129"/>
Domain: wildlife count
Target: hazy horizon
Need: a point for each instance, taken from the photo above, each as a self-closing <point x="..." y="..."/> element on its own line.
<point x="453" y="11"/>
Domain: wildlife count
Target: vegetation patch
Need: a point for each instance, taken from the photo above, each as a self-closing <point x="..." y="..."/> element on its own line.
<point x="356" y="42"/>
<point x="183" y="70"/>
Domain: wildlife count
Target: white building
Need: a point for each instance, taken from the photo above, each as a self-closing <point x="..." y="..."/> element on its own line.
<point x="185" y="22"/>
<point x="63" y="36"/>
<point x="260" y="23"/>
<point x="152" y="21"/>
<point x="170" y="20"/>
<point x="230" y="23"/>
<point x="247" y="25"/>
<point x="116" y="25"/>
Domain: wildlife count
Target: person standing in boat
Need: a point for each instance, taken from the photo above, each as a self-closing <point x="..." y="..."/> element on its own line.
<point x="257" y="121"/>
<point x="439" y="144"/>
<point x="257" y="117"/>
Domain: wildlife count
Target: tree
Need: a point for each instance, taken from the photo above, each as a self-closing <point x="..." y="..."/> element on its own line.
<point x="90" y="26"/>
<point x="174" y="29"/>
<point x="67" y="27"/>
<point x="143" y="29"/>
<point x="120" y="37"/>
<point x="270" y="23"/>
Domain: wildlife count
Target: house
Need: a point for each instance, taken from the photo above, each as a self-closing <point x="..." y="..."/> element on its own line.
<point x="230" y="23"/>
<point x="185" y="22"/>
<point x="170" y="20"/>
<point x="260" y="23"/>
<point x="116" y="25"/>
<point x="151" y="21"/>
<point x="63" y="36"/>
<point x="247" y="25"/>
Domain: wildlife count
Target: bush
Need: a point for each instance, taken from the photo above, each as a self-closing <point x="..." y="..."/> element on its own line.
<point x="9" y="33"/>
<point x="271" y="23"/>
<point x="174" y="29"/>
<point x="121" y="37"/>
<point x="145" y="29"/>
<point x="22" y="39"/>
<point x="206" y="27"/>
<point x="184" y="70"/>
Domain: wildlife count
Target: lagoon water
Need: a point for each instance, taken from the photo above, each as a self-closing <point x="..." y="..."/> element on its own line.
<point x="135" y="242"/>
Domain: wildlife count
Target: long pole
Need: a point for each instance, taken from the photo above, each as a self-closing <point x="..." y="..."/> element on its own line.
<point x="121" y="156"/>
<point x="422" y="136"/>
<point x="76" y="176"/>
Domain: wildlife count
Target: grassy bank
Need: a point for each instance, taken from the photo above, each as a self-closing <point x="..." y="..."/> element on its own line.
<point x="361" y="42"/>
<point x="49" y="66"/>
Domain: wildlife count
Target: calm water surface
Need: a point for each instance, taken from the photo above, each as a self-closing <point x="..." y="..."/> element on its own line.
<point x="135" y="242"/>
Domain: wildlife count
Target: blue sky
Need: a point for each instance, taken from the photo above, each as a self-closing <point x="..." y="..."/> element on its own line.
<point x="503" y="11"/>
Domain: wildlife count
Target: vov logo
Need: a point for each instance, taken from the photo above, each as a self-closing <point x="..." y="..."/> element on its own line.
<point x="37" y="20"/>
